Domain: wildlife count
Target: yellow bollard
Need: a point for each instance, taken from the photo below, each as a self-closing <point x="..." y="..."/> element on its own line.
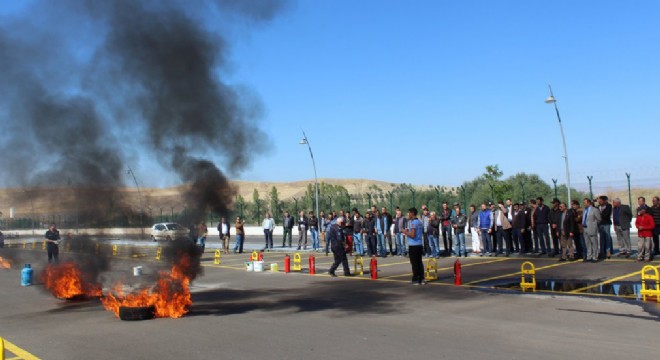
<point x="255" y="256"/>
<point x="34" y="245"/>
<point x="527" y="268"/>
<point x="159" y="251"/>
<point x="115" y="250"/>
<point x="216" y="259"/>
<point x="297" y="262"/>
<point x="431" y="270"/>
<point x="359" y="260"/>
<point x="654" y="276"/>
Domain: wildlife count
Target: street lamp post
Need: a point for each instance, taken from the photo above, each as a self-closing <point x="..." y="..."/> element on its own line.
<point x="130" y="172"/>
<point x="551" y="100"/>
<point x="305" y="141"/>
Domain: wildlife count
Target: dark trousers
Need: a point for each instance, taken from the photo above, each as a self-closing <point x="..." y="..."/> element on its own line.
<point x="579" y="248"/>
<point x="427" y="248"/>
<point x="555" y="240"/>
<point x="544" y="237"/>
<point x="502" y="237"/>
<point x="527" y="235"/>
<point x="416" y="253"/>
<point x="486" y="241"/>
<point x="371" y="245"/>
<point x="447" y="239"/>
<point x="287" y="234"/>
<point x="656" y="237"/>
<point x="518" y="241"/>
<point x="388" y="237"/>
<point x="53" y="252"/>
<point x="268" y="235"/>
<point x="340" y="258"/>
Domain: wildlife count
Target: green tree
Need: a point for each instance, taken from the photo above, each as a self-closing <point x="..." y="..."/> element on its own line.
<point x="274" y="199"/>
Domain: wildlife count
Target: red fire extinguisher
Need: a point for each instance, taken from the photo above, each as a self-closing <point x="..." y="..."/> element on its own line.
<point x="261" y="255"/>
<point x="458" y="280"/>
<point x="312" y="264"/>
<point x="287" y="264"/>
<point x="373" y="267"/>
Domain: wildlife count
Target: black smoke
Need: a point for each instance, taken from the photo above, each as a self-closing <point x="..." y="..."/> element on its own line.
<point x="86" y="84"/>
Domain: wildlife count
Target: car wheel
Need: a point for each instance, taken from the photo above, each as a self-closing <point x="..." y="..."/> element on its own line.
<point x="137" y="312"/>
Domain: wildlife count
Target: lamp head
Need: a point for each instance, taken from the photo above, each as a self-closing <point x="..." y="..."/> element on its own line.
<point x="303" y="142"/>
<point x="550" y="100"/>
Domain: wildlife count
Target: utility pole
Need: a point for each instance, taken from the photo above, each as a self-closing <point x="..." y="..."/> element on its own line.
<point x="591" y="192"/>
<point x="130" y="172"/>
<point x="554" y="181"/>
<point x="629" y="192"/>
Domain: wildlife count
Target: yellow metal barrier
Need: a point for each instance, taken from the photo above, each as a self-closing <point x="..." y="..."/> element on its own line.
<point x="431" y="270"/>
<point x="527" y="268"/>
<point x="297" y="262"/>
<point x="255" y="256"/>
<point x="115" y="250"/>
<point x="359" y="261"/>
<point x="217" y="258"/>
<point x="159" y="251"/>
<point x="654" y="276"/>
<point x="2" y="349"/>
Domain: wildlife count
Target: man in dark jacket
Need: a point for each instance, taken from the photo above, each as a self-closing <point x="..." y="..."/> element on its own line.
<point x="287" y="225"/>
<point x="386" y="218"/>
<point x="567" y="230"/>
<point x="357" y="233"/>
<point x="368" y="232"/>
<point x="555" y="218"/>
<point x="519" y="227"/>
<point x="303" y="225"/>
<point x="541" y="221"/>
<point x="604" y="228"/>
<point x="622" y="217"/>
<point x="338" y="246"/>
<point x="400" y="223"/>
<point x="445" y="223"/>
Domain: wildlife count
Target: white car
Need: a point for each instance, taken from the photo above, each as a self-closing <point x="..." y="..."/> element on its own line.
<point x="168" y="231"/>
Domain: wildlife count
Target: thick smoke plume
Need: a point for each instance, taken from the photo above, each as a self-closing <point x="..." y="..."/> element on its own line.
<point x="87" y="85"/>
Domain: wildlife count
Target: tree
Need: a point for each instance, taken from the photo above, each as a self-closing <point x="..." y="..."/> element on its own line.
<point x="274" y="199"/>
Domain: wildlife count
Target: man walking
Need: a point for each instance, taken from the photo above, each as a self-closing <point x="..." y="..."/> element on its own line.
<point x="604" y="227"/>
<point x="590" y="220"/>
<point x="268" y="225"/>
<point x="336" y="238"/>
<point x="287" y="226"/>
<point x="413" y="232"/>
<point x="541" y="223"/>
<point x="52" y="243"/>
<point x="303" y="224"/>
<point x="622" y="217"/>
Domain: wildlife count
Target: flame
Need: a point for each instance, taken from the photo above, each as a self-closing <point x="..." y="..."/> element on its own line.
<point x="170" y="296"/>
<point x="4" y="264"/>
<point x="65" y="281"/>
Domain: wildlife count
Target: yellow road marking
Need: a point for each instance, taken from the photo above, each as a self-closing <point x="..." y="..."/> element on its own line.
<point x="518" y="273"/>
<point x="452" y="267"/>
<point x="608" y="281"/>
<point x="20" y="353"/>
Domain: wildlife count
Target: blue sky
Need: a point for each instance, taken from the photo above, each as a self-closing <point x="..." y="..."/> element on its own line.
<point x="430" y="92"/>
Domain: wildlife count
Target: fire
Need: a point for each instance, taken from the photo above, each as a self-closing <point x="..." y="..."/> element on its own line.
<point x="170" y="296"/>
<point x="4" y="264"/>
<point x="65" y="281"/>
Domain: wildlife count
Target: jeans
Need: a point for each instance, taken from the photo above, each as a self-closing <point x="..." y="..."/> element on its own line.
<point x="460" y="244"/>
<point x="434" y="244"/>
<point x="201" y="241"/>
<point x="239" y="242"/>
<point x="544" y="238"/>
<point x="359" y="246"/>
<point x="382" y="250"/>
<point x="400" y="244"/>
<point x="268" y="236"/>
<point x="486" y="241"/>
<point x="315" y="238"/>
<point x="446" y="239"/>
<point x="605" y="239"/>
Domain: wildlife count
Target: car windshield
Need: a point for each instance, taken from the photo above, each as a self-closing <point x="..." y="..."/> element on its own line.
<point x="174" y="227"/>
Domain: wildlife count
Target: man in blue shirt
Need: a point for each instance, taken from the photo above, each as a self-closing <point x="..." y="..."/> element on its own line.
<point x="414" y="232"/>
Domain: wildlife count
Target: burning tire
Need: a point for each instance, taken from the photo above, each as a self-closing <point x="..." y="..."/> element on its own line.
<point x="131" y="313"/>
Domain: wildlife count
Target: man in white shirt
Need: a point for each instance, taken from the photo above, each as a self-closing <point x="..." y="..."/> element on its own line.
<point x="223" y="231"/>
<point x="268" y="225"/>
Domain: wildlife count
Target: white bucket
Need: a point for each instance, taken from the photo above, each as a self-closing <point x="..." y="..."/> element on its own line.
<point x="137" y="271"/>
<point x="249" y="266"/>
<point x="258" y="266"/>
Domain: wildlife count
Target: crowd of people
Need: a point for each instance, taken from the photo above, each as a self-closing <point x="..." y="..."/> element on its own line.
<point x="579" y="230"/>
